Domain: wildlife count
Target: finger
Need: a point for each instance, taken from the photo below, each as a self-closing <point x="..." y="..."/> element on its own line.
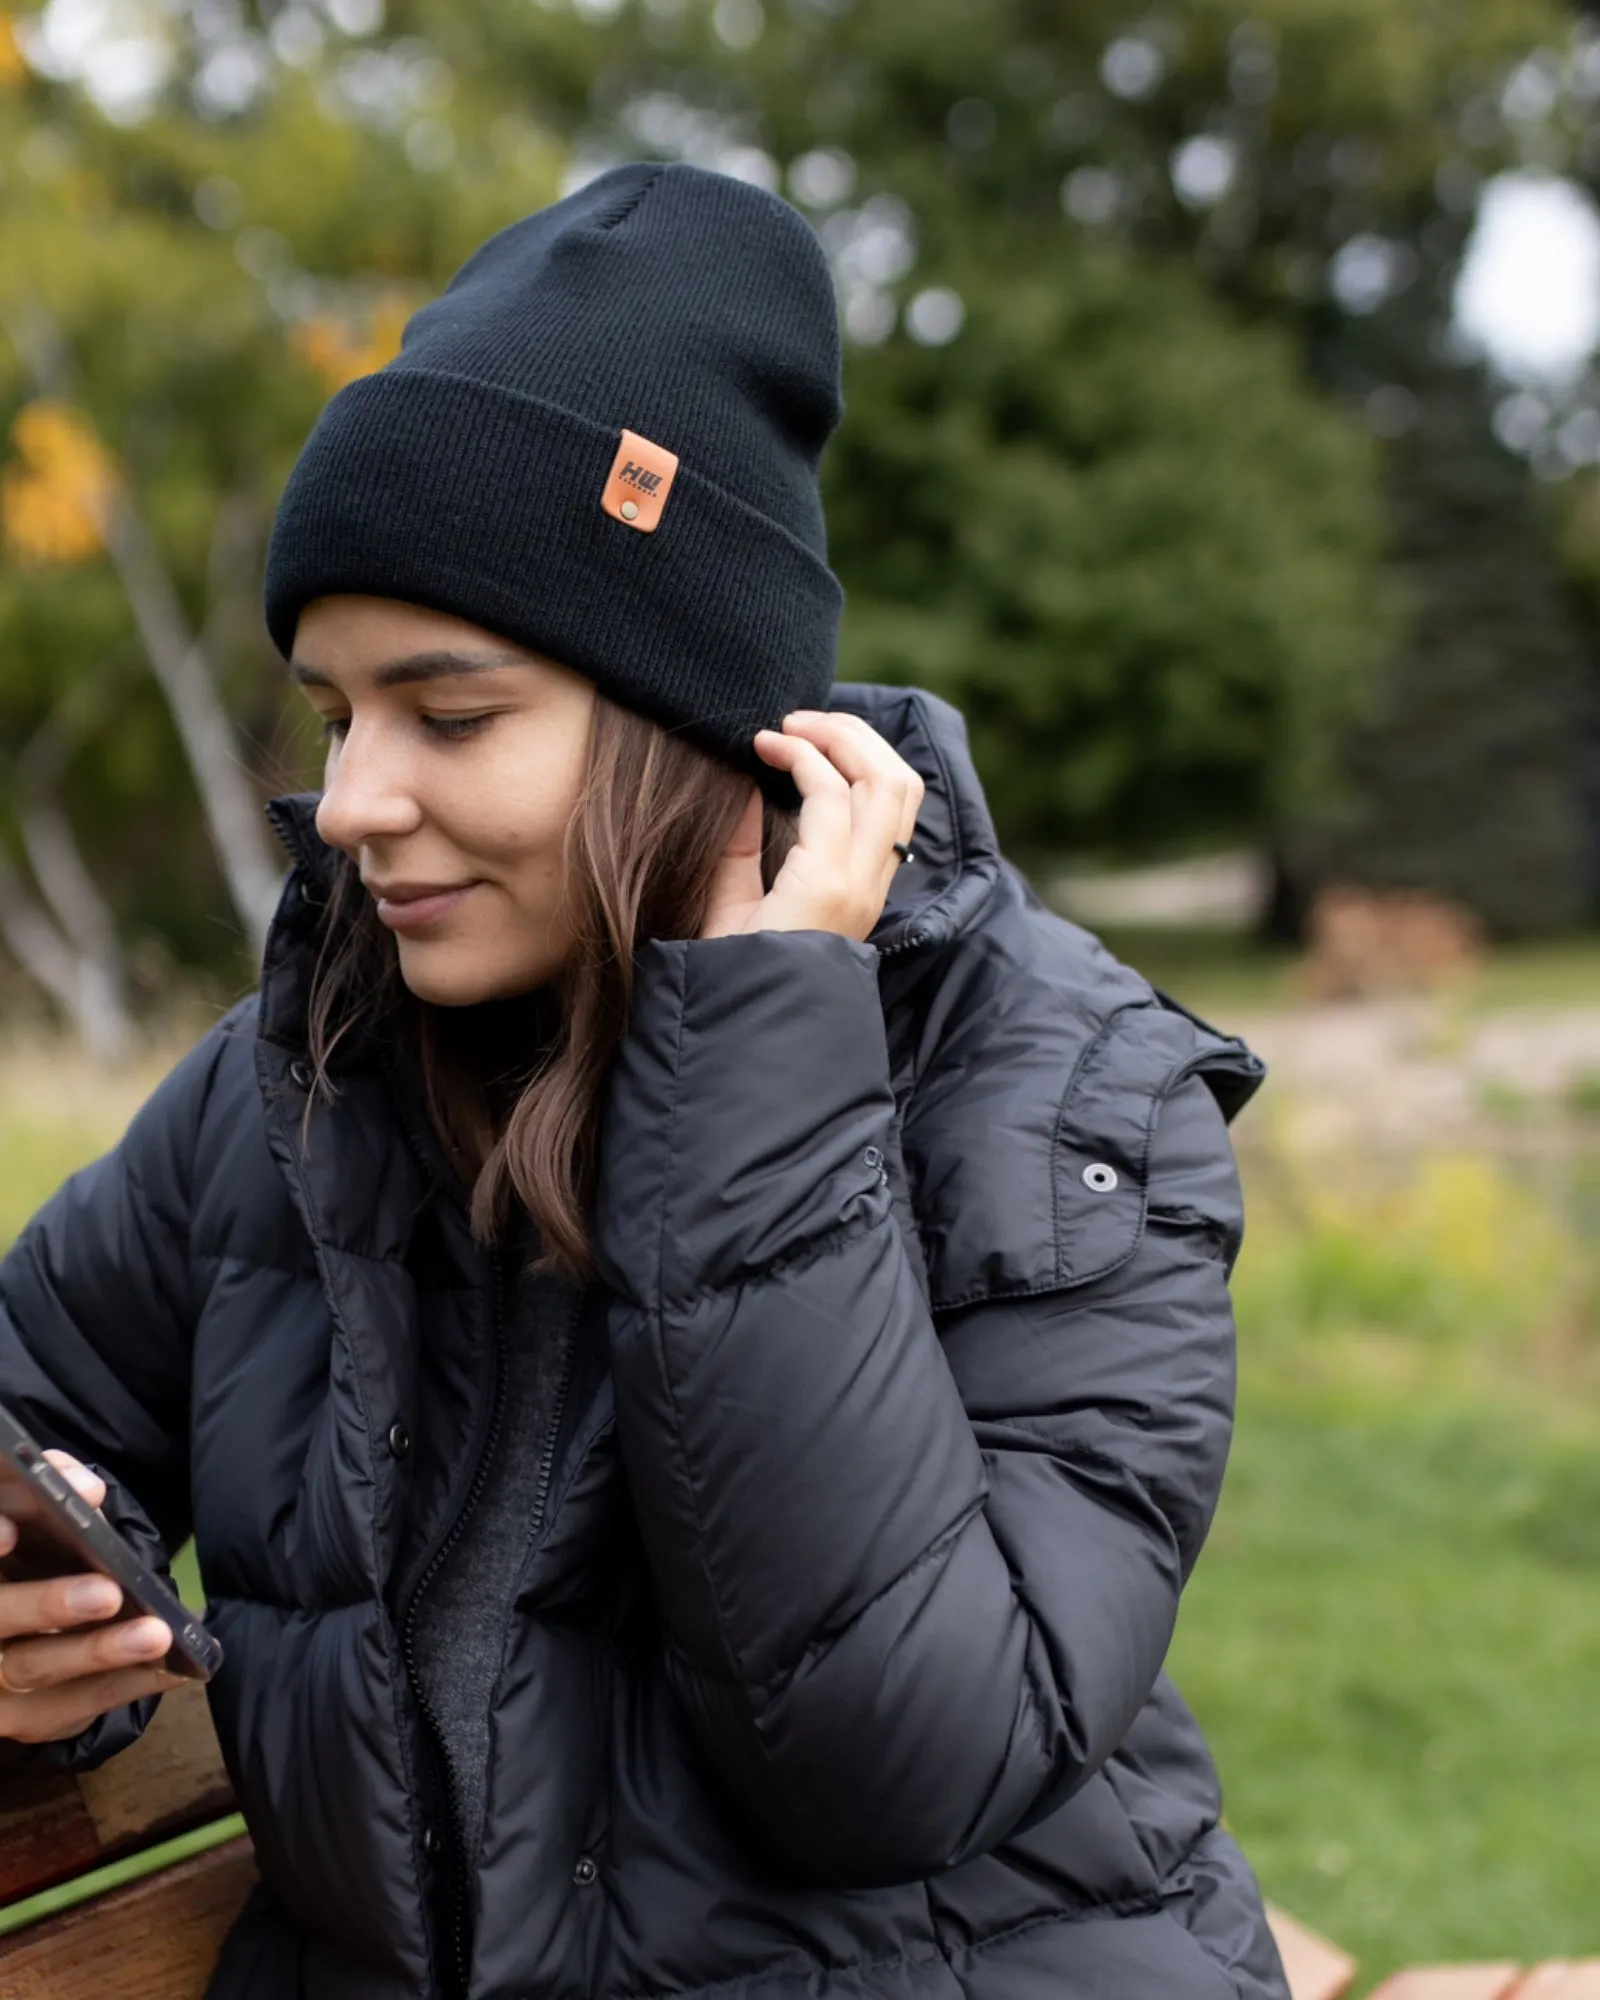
<point x="863" y="756"/>
<point x="46" y="1662"/>
<point x="825" y="825"/>
<point x="795" y="753"/>
<point x="814" y="772"/>
<point x="67" y="1711"/>
<point x="885" y="791"/>
<point x="55" y="1604"/>
<point x="88" y="1485"/>
<point x="854" y="746"/>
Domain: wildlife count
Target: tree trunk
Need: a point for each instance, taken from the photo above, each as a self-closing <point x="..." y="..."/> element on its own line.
<point x="179" y="662"/>
<point x="87" y="925"/>
<point x="87" y="989"/>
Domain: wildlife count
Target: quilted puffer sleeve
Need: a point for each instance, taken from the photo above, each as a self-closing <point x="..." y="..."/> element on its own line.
<point x="96" y="1316"/>
<point x="917" y="1581"/>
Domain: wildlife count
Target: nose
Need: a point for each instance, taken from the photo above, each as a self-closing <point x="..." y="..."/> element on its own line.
<point x="367" y="794"/>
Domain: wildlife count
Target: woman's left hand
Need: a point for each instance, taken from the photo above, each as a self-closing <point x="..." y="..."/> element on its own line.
<point x="858" y="796"/>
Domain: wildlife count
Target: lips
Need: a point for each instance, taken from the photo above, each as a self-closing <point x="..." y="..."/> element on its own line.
<point x="420" y="905"/>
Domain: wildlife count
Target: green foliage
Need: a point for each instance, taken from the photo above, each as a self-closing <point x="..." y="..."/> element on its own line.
<point x="194" y="350"/>
<point x="1446" y="1267"/>
<point x="1392" y="1637"/>
<point x="1122" y="697"/>
<point x="1115" y="530"/>
<point x="1465" y="776"/>
<point x="1114" y="516"/>
<point x="1583" y="1095"/>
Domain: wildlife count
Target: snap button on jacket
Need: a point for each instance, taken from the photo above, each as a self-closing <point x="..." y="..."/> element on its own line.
<point x="834" y="1667"/>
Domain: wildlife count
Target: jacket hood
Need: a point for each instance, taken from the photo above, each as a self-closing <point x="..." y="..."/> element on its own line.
<point x="935" y="897"/>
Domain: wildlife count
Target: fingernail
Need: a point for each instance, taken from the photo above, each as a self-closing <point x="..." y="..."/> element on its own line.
<point x="93" y="1596"/>
<point x="144" y="1639"/>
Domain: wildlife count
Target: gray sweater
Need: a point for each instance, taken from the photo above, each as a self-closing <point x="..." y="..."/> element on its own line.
<point x="460" y="1629"/>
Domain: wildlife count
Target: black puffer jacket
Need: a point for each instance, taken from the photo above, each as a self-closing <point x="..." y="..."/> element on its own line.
<point x="835" y="1667"/>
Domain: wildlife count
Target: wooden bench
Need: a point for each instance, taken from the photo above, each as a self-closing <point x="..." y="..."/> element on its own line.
<point x="163" y="1932"/>
<point x="1320" y="1971"/>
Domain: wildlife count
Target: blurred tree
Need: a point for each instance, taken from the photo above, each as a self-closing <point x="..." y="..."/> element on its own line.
<point x="194" y="279"/>
<point x="975" y="170"/>
<point x="1113" y="523"/>
<point x="1123" y="539"/>
<point x="1468" y="776"/>
<point x="1085" y="485"/>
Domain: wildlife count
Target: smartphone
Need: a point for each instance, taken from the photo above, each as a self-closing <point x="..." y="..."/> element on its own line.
<point x="60" y="1534"/>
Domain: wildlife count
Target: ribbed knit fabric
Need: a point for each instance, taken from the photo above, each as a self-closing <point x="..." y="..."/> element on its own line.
<point x="688" y="307"/>
<point x="460" y="1621"/>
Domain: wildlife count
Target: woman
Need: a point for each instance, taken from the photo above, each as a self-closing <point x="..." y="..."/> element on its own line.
<point x="692" y="1337"/>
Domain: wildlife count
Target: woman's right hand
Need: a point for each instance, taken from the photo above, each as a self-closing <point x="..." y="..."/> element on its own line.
<point x="55" y="1678"/>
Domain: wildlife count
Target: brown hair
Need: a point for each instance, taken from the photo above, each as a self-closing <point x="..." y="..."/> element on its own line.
<point x="653" y="816"/>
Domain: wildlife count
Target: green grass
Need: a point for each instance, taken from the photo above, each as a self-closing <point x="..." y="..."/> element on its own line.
<point x="36" y="1155"/>
<point x="1393" y="1642"/>
<point x="56" y="1112"/>
<point x="1218" y="972"/>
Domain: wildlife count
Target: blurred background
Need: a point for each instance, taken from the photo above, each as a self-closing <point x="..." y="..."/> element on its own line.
<point x="1223" y="440"/>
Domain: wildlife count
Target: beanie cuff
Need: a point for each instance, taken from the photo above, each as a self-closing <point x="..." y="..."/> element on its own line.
<point x="482" y="502"/>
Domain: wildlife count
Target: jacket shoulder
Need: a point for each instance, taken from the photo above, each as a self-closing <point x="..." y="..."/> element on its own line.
<point x="1038" y="1067"/>
<point x="193" y="1151"/>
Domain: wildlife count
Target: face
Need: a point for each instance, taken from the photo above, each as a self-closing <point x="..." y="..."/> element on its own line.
<point x="455" y="760"/>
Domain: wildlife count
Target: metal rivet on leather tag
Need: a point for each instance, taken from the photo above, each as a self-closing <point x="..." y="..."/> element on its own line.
<point x="629" y="510"/>
<point x="1099" y="1178"/>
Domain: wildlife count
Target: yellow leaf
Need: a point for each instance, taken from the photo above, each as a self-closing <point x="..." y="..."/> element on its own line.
<point x="13" y="65"/>
<point x="341" y="351"/>
<point x="56" y="491"/>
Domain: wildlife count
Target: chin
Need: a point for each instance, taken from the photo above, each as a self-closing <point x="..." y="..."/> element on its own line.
<point x="438" y="975"/>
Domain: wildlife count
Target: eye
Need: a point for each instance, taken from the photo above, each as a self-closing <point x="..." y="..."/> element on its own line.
<point x="453" y="727"/>
<point x="334" y="727"/>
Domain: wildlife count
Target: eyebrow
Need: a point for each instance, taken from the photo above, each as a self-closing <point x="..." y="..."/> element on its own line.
<point x="436" y="666"/>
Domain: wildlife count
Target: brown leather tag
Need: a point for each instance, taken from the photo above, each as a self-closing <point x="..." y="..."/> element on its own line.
<point x="640" y="479"/>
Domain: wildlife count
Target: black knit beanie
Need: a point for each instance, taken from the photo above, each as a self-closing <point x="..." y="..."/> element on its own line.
<point x="601" y="442"/>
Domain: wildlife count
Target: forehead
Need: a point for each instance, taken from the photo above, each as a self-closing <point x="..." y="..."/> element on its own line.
<point x="408" y="669"/>
<point x="381" y="642"/>
<point x="350" y="643"/>
<point x="361" y="627"/>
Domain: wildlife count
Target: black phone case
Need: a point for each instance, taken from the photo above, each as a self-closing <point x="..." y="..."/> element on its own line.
<point x="195" y="1652"/>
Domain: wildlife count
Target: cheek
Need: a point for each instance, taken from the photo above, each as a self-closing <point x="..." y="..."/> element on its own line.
<point x="513" y="807"/>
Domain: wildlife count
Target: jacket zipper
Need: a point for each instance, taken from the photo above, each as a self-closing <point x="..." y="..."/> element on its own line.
<point x="455" y="1839"/>
<point x="552" y="1436"/>
<point x="912" y="941"/>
